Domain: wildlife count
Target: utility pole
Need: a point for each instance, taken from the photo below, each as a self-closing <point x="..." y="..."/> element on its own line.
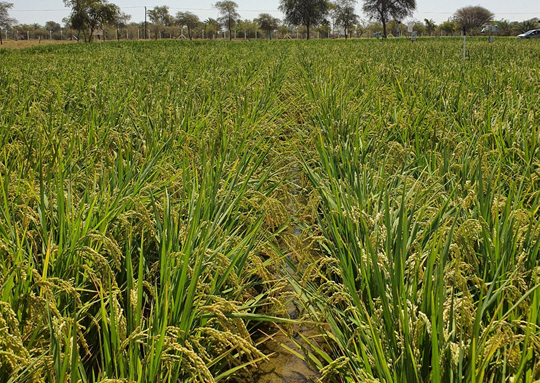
<point x="145" y="23"/>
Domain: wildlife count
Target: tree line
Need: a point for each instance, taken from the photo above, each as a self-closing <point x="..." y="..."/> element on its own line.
<point x="302" y="18"/>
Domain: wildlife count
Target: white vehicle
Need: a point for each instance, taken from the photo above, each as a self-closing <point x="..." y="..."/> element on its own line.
<point x="532" y="34"/>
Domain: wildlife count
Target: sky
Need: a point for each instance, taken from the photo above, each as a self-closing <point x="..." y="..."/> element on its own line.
<point x="40" y="11"/>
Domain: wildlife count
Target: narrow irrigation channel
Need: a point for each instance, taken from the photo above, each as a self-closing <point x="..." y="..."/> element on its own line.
<point x="283" y="364"/>
<point x="286" y="361"/>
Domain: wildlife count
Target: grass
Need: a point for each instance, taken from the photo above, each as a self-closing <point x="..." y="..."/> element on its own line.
<point x="21" y="44"/>
<point x="149" y="191"/>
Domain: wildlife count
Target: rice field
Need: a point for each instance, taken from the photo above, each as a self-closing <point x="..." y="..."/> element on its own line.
<point x="162" y="202"/>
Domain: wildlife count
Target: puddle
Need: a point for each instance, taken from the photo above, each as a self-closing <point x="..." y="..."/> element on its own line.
<point x="284" y="365"/>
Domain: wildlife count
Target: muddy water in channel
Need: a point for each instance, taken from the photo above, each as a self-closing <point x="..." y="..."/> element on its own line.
<point x="283" y="365"/>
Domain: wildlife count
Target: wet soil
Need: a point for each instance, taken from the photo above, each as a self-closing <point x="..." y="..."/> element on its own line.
<point x="283" y="365"/>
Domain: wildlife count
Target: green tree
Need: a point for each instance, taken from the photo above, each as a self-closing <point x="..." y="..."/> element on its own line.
<point x="430" y="26"/>
<point x="473" y="17"/>
<point x="505" y="27"/>
<point x="252" y="28"/>
<point x="373" y="28"/>
<point x="160" y="18"/>
<point x="247" y="28"/>
<point x="52" y="26"/>
<point x="38" y="31"/>
<point x="385" y="10"/>
<point x="5" y="21"/>
<point x="394" y="28"/>
<point x="301" y="31"/>
<point x="241" y="28"/>
<point x="420" y="28"/>
<point x="267" y="23"/>
<point x="324" y="29"/>
<point x="54" y="29"/>
<point x="121" y="22"/>
<point x="211" y="27"/>
<point x="527" y="25"/>
<point x="308" y="13"/>
<point x="90" y="15"/>
<point x="344" y="15"/>
<point x="283" y="30"/>
<point x="360" y="28"/>
<point x="189" y="20"/>
<point x="228" y="12"/>
<point x="448" y="27"/>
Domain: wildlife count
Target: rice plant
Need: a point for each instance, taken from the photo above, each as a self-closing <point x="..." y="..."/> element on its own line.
<point x="137" y="215"/>
<point x="428" y="207"/>
<point x="150" y="193"/>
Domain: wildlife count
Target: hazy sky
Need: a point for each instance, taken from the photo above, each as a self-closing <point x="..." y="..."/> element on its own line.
<point x="40" y="11"/>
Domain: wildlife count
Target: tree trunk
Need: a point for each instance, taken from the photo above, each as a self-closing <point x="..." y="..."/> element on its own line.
<point x="189" y="32"/>
<point x="346" y="33"/>
<point x="383" y="20"/>
<point x="1" y="42"/>
<point x="307" y="27"/>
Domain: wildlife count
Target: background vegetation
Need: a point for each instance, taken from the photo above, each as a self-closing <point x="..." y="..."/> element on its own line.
<point x="323" y="18"/>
